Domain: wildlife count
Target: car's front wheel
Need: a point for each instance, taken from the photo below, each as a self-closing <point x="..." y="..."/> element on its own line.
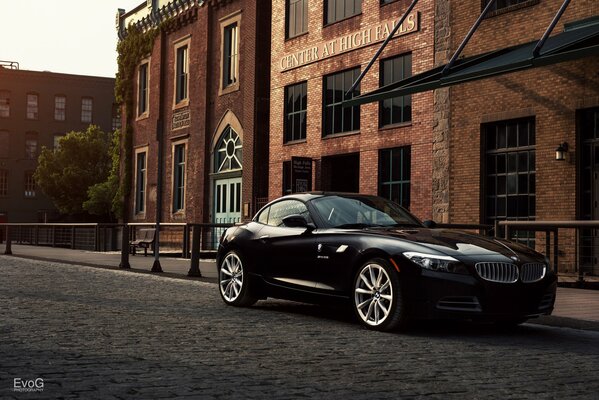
<point x="378" y="300"/>
<point x="233" y="282"/>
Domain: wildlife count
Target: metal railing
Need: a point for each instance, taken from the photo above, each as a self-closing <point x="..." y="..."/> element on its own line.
<point x="585" y="240"/>
<point x="82" y="236"/>
<point x="175" y="238"/>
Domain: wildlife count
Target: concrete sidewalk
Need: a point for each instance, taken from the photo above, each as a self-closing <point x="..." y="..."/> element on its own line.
<point x="575" y="308"/>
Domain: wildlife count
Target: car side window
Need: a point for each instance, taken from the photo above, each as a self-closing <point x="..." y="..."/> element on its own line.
<point x="263" y="217"/>
<point x="284" y="208"/>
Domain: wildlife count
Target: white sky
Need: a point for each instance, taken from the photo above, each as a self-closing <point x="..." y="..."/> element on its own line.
<point x="69" y="36"/>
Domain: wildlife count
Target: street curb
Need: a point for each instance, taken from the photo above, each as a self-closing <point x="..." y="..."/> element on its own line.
<point x="565" y="322"/>
<point x="169" y="275"/>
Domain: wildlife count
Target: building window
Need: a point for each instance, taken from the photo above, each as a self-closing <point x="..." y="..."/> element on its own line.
<point x="230" y="54"/>
<point x="296" y="104"/>
<point x="31" y="146"/>
<point x="56" y="141"/>
<point x="116" y="117"/>
<point x="4" y="103"/>
<point x="336" y="10"/>
<point x="297" y="17"/>
<point x="182" y="73"/>
<point x="398" y="109"/>
<point x="338" y="119"/>
<point x="32" y="106"/>
<point x="142" y="88"/>
<point x="178" y="177"/>
<point x="87" y="104"/>
<point x="140" y="183"/>
<point x="508" y="5"/>
<point x="3" y="182"/>
<point x="228" y="156"/>
<point x="383" y="2"/>
<point x="509" y="166"/>
<point x="4" y="144"/>
<point x="394" y="175"/>
<point x="29" y="184"/>
<point x="60" y="108"/>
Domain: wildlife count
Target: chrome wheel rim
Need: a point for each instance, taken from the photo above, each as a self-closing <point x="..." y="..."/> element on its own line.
<point x="373" y="294"/>
<point x="231" y="277"/>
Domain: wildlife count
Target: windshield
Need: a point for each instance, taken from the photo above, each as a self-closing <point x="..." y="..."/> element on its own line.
<point x="362" y="212"/>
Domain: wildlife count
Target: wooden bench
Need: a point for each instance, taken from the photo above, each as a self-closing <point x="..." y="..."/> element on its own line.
<point x="145" y="239"/>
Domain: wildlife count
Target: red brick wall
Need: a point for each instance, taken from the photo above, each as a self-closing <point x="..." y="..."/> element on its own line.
<point x="418" y="134"/>
<point x="207" y="107"/>
<point x="551" y="94"/>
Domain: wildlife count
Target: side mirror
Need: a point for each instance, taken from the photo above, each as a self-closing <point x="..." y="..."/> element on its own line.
<point x="297" y="221"/>
<point x="429" y="224"/>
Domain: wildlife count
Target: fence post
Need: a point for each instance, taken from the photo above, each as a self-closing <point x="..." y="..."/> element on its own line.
<point x="72" y="237"/>
<point x="97" y="241"/>
<point x="36" y="232"/>
<point x="185" y="250"/>
<point x="555" y="250"/>
<point x="125" y="248"/>
<point x="8" y="248"/>
<point x="194" y="268"/>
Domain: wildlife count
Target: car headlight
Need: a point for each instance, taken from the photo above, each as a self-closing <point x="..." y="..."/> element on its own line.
<point x="435" y="262"/>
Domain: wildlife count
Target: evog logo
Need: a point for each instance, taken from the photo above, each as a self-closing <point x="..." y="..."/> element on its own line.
<point x="28" y="385"/>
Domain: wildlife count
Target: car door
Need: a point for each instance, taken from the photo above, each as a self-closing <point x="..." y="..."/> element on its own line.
<point x="289" y="252"/>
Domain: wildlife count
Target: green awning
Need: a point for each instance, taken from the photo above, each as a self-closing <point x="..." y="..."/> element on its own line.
<point x="569" y="45"/>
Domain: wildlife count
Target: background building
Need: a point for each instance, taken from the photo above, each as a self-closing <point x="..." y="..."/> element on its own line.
<point x="37" y="108"/>
<point x="201" y="101"/>
<point x="319" y="48"/>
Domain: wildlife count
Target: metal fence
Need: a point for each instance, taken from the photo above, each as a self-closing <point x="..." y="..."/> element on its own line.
<point x="175" y="238"/>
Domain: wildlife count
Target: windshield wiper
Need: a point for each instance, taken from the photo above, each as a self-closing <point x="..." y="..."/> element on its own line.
<point x="356" y="226"/>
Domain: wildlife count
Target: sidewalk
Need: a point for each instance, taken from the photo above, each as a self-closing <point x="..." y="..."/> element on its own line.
<point x="574" y="308"/>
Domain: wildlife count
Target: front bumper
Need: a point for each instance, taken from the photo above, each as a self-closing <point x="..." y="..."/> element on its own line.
<point x="448" y="295"/>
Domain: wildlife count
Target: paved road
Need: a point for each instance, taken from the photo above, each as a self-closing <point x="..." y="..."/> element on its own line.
<point x="97" y="333"/>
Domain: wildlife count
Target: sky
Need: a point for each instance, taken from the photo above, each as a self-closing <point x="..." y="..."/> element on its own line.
<point x="68" y="36"/>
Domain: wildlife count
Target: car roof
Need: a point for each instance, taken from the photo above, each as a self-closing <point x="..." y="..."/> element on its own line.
<point x="316" y="194"/>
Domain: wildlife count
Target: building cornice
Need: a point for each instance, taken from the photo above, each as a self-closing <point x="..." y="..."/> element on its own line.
<point x="149" y="15"/>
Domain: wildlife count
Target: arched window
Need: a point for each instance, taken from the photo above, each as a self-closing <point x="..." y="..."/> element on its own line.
<point x="227" y="156"/>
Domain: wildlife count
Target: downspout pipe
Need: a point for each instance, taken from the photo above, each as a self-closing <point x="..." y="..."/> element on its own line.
<point x="156" y="267"/>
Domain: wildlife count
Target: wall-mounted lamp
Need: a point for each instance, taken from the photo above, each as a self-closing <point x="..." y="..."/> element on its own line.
<point x="560" y="152"/>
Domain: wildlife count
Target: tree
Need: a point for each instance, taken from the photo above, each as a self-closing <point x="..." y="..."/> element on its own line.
<point x="104" y="198"/>
<point x="66" y="173"/>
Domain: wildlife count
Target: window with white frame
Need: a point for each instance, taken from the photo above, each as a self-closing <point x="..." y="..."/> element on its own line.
<point x="87" y="104"/>
<point x="32" y="106"/>
<point x="142" y="89"/>
<point x="60" y="108"/>
<point x="140" y="183"/>
<point x="4" y="103"/>
<point x="3" y="182"/>
<point x="29" y="184"/>
<point x="181" y="72"/>
<point x="230" y="54"/>
<point x="179" y="177"/>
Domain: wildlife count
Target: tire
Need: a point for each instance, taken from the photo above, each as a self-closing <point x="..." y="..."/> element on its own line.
<point x="377" y="297"/>
<point x="233" y="281"/>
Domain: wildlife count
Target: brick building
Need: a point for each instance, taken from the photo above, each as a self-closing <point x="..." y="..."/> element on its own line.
<point x="37" y="108"/>
<point x="201" y="105"/>
<point x="506" y="107"/>
<point x="318" y="50"/>
<point x="505" y="130"/>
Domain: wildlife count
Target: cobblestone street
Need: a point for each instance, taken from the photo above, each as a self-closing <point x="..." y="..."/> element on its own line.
<point x="97" y="333"/>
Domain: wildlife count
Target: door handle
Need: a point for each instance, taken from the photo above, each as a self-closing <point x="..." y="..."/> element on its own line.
<point x="264" y="237"/>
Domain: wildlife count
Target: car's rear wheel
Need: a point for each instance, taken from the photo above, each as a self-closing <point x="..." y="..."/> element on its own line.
<point x="233" y="282"/>
<point x="378" y="300"/>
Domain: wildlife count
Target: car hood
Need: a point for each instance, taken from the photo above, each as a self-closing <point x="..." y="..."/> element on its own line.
<point x="457" y="243"/>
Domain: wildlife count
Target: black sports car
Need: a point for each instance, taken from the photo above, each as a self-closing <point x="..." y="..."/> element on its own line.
<point x="372" y="253"/>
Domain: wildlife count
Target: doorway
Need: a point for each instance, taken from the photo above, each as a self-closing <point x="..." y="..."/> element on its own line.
<point x="341" y="173"/>
<point x="588" y="190"/>
<point x="227" y="201"/>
